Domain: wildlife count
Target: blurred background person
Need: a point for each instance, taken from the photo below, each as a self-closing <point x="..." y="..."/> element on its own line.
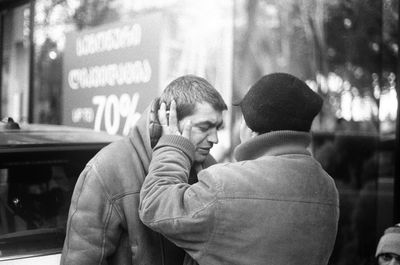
<point x="388" y="250"/>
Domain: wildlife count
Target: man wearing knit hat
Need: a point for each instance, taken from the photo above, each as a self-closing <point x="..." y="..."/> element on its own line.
<point x="275" y="205"/>
<point x="388" y="250"/>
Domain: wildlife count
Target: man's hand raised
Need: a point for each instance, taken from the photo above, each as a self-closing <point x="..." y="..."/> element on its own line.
<point x="169" y="121"/>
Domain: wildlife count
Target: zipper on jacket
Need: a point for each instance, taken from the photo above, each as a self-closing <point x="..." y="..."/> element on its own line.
<point x="162" y="249"/>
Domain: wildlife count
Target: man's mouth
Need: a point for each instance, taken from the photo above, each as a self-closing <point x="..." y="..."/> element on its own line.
<point x="203" y="150"/>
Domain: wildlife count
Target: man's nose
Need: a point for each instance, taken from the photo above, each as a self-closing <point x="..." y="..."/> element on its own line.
<point x="213" y="136"/>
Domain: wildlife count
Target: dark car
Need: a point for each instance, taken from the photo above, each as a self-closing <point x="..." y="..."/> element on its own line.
<point x="39" y="165"/>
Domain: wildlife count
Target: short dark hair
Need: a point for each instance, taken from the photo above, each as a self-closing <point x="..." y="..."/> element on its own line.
<point x="188" y="90"/>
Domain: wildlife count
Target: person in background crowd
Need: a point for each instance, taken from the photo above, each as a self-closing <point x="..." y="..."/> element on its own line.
<point x="388" y="249"/>
<point x="276" y="205"/>
<point x="103" y="223"/>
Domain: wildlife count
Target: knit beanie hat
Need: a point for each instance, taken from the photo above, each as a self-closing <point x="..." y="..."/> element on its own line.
<point x="390" y="241"/>
<point x="280" y="101"/>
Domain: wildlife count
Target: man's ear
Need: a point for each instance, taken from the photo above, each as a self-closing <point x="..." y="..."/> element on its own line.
<point x="155" y="129"/>
<point x="181" y="124"/>
<point x="245" y="132"/>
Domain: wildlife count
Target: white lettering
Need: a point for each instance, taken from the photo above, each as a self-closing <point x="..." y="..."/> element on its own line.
<point x="132" y="116"/>
<point x="112" y="122"/>
<point x="110" y="75"/>
<point x="82" y="115"/>
<point x="111" y="109"/>
<point x="101" y="102"/>
<point x="108" y="40"/>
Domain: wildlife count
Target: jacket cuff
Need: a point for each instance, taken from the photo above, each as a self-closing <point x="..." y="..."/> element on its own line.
<point x="178" y="142"/>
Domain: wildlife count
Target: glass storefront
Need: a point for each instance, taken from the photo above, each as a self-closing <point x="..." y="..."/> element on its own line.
<point x="346" y="50"/>
<point x="15" y="63"/>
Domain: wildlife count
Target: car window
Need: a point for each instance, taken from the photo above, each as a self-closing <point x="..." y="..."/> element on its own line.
<point x="38" y="172"/>
<point x="34" y="203"/>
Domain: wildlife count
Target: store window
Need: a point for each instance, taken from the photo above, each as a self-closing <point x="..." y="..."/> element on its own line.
<point x="15" y="63"/>
<point x="347" y="51"/>
<point x="80" y="66"/>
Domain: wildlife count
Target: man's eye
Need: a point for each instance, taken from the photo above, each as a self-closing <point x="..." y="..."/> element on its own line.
<point x="203" y="128"/>
<point x="386" y="257"/>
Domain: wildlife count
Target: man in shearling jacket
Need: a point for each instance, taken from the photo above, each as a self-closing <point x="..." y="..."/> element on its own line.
<point x="275" y="206"/>
<point x="103" y="223"/>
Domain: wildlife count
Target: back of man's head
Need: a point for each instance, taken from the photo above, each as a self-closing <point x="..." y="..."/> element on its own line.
<point x="280" y="101"/>
<point x="188" y="90"/>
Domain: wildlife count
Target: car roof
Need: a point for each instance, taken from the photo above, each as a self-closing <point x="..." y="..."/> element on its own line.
<point x="51" y="136"/>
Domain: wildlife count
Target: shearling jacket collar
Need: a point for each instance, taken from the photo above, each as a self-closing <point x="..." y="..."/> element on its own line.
<point x="274" y="144"/>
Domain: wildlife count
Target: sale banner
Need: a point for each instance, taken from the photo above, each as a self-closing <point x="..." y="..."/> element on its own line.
<point x="111" y="73"/>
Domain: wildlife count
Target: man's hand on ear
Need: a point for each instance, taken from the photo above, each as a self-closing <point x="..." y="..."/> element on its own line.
<point x="169" y="121"/>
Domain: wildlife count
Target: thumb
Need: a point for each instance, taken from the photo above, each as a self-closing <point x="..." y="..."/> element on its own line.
<point x="187" y="129"/>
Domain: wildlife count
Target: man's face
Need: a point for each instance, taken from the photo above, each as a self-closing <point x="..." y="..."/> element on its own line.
<point x="244" y="132"/>
<point x="206" y="121"/>
<point x="389" y="259"/>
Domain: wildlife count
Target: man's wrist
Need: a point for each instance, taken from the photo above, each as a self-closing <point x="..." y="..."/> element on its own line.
<point x="179" y="142"/>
